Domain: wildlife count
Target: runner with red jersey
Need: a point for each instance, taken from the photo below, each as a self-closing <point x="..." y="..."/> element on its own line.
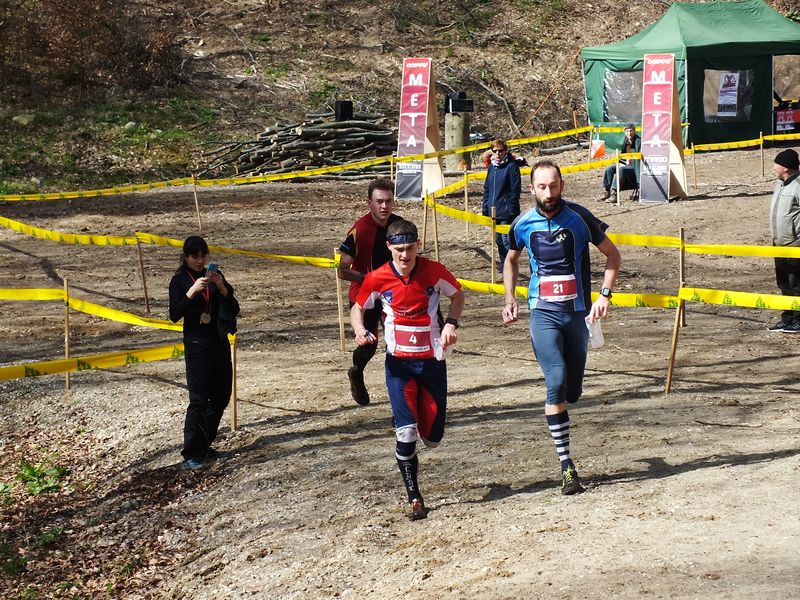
<point x="409" y="288"/>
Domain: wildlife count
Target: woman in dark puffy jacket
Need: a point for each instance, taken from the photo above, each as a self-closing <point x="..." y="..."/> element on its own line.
<point x="203" y="298"/>
<point x="501" y="191"/>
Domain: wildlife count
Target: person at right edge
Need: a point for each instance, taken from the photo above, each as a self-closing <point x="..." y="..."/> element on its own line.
<point x="784" y="224"/>
<point x="205" y="302"/>
<point x="502" y="190"/>
<point x="557" y="234"/>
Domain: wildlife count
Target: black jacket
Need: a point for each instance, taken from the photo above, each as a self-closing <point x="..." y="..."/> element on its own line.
<point x="502" y="189"/>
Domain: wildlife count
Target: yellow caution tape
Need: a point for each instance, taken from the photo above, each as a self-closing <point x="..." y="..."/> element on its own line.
<point x="619" y="299"/>
<point x="95" y="193"/>
<point x="86" y="363"/>
<point x="120" y="316"/>
<point x="733" y="250"/>
<point x="281" y="176"/>
<point x="728" y="145"/>
<point x="67" y="238"/>
<point x="783" y="136"/>
<point x="327" y="263"/>
<point x="382" y="160"/>
<point x="642" y="300"/>
<point x="89" y="308"/>
<point x="745" y="299"/>
<point x="634" y="239"/>
<point x="31" y="294"/>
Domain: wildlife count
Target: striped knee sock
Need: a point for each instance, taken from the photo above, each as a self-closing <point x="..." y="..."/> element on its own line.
<point x="559" y="429"/>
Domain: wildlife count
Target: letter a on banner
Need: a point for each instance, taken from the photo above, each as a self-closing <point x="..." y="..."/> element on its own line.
<point x="663" y="171"/>
<point x="418" y="133"/>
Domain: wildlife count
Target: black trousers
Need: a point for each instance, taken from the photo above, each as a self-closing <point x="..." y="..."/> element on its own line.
<point x="363" y="354"/>
<point x="209" y="376"/>
<point x="787" y="275"/>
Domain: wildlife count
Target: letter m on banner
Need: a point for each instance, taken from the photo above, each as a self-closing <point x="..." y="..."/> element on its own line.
<point x="418" y="133"/>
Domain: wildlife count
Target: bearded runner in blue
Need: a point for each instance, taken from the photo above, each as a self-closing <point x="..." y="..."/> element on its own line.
<point x="557" y="235"/>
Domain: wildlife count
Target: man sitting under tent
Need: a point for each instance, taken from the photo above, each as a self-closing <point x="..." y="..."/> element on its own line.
<point x="628" y="170"/>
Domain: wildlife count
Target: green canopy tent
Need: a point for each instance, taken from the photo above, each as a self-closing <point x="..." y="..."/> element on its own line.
<point x="715" y="44"/>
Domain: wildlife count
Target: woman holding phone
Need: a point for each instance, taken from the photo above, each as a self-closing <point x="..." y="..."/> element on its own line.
<point x="204" y="300"/>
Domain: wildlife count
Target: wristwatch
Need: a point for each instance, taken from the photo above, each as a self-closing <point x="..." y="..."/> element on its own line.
<point x="451" y="321"/>
<point x="606" y="292"/>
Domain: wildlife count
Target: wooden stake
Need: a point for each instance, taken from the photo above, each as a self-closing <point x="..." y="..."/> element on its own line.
<point x="66" y="327"/>
<point x="391" y="167"/>
<point x="196" y="204"/>
<point x="435" y="229"/>
<point x="339" y="304"/>
<point x="682" y="270"/>
<point x="466" y="198"/>
<point x="619" y="183"/>
<point x="675" y="329"/>
<point x="234" y="411"/>
<point x="591" y="138"/>
<point x="761" y="144"/>
<point x="424" y="223"/>
<point x="694" y="168"/>
<point x="494" y="246"/>
<point x="144" y="279"/>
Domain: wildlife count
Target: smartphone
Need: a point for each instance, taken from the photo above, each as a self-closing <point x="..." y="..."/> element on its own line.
<point x="212" y="268"/>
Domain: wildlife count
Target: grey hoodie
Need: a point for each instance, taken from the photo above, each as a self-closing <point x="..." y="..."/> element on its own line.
<point x="784" y="220"/>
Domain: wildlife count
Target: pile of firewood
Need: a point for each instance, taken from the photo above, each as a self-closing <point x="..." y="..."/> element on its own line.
<point x="318" y="142"/>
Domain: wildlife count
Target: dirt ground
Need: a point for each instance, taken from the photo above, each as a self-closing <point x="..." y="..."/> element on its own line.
<point x="688" y="495"/>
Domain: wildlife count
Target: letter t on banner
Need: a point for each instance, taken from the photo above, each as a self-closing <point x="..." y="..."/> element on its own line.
<point x="418" y="133"/>
<point x="663" y="173"/>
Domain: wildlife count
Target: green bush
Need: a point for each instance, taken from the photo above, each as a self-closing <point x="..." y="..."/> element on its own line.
<point x="41" y="478"/>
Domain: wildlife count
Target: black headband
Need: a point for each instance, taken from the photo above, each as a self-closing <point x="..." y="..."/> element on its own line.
<point x="400" y="239"/>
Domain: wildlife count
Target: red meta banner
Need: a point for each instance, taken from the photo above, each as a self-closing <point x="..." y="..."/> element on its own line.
<point x="657" y="105"/>
<point x="414" y="99"/>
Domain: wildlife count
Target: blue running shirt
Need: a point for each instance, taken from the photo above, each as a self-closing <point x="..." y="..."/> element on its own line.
<point x="558" y="248"/>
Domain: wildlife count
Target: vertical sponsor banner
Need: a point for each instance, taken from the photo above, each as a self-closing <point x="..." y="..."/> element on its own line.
<point x="417" y="119"/>
<point x="663" y="174"/>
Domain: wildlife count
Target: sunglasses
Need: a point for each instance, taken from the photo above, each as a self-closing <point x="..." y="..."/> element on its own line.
<point x="498" y="150"/>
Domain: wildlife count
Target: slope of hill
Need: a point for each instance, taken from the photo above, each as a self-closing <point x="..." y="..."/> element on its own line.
<point x="251" y="63"/>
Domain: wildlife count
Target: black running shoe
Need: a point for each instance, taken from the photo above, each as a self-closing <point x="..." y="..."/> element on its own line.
<point x="418" y="510"/>
<point x="792" y="328"/>
<point x="192" y="464"/>
<point x="570" y="482"/>
<point x="357" y="387"/>
<point x="779" y="327"/>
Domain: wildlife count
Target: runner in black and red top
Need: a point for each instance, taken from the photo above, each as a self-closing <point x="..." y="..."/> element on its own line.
<point x="363" y="251"/>
<point x="408" y="288"/>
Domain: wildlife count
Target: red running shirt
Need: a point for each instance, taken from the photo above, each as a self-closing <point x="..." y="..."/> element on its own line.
<point x="366" y="243"/>
<point x="411" y="305"/>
